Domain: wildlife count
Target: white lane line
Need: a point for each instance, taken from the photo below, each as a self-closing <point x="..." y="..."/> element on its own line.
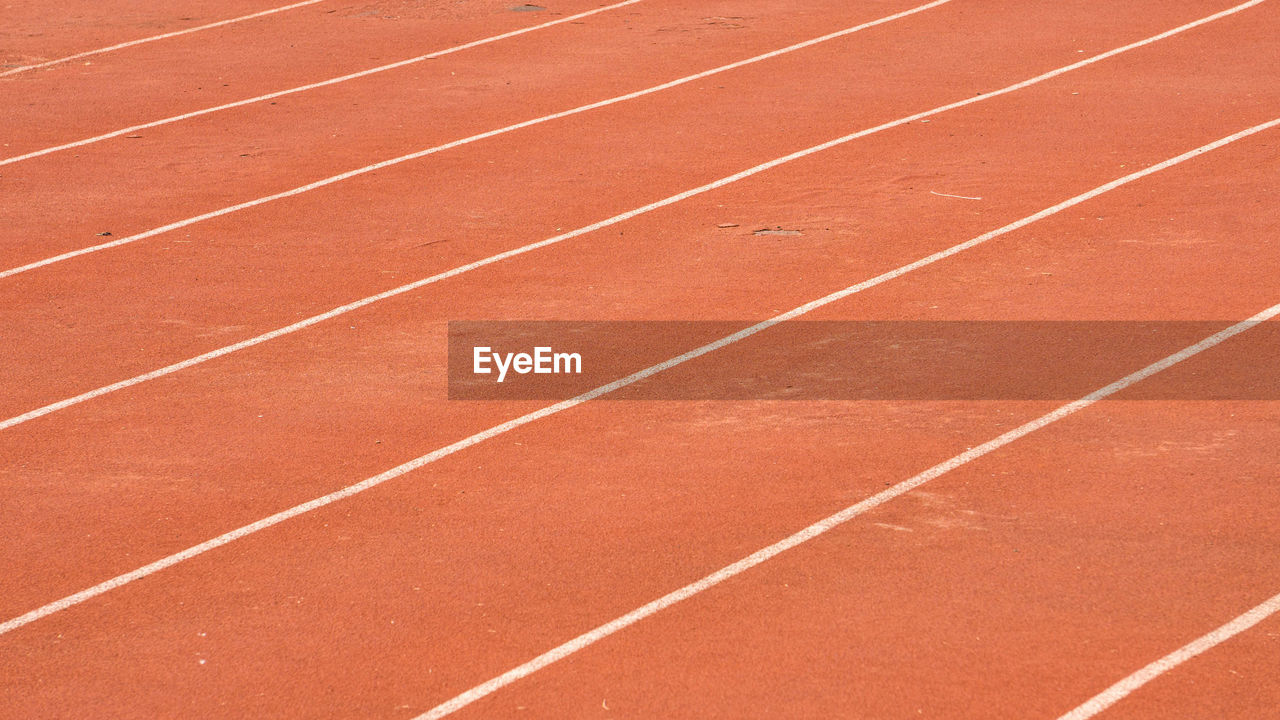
<point x="153" y="38"/>
<point x="1122" y="689"/>
<point x="505" y="427"/>
<point x="465" y="141"/>
<point x="311" y="86"/>
<point x="350" y="307"/>
<point x="822" y="526"/>
<point x="962" y="197"/>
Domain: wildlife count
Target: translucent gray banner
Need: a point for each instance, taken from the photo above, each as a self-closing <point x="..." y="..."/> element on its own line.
<point x="844" y="360"/>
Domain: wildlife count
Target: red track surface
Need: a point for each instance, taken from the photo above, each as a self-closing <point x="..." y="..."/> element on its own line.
<point x="1018" y="585"/>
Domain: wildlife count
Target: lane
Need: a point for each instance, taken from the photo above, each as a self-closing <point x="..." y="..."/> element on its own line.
<point x="33" y="36"/>
<point x="541" y="573"/>
<point x="296" y="145"/>
<point x="186" y="311"/>
<point x="68" y="102"/>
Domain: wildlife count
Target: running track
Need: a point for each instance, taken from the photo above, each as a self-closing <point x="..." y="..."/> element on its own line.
<point x="528" y="570"/>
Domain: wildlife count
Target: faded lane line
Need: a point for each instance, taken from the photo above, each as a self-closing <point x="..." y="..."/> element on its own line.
<point x="153" y="38"/>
